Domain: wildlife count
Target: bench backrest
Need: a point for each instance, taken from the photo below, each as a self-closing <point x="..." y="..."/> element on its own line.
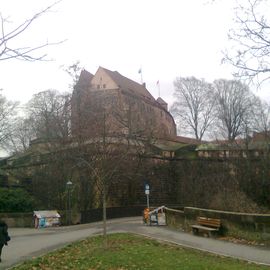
<point x="210" y="222"/>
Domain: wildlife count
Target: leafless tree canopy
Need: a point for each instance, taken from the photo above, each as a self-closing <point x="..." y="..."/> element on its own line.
<point x="250" y="39"/>
<point x="224" y="109"/>
<point x="7" y="39"/>
<point x="193" y="108"/>
<point x="19" y="136"/>
<point x="8" y="112"/>
<point x="50" y="114"/>
<point x="234" y="107"/>
<point x="262" y="117"/>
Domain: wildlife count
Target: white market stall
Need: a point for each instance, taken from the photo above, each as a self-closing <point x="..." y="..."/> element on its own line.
<point x="48" y="218"/>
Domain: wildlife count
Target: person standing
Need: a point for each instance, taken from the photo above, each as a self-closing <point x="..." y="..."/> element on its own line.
<point x="4" y="237"/>
<point x="146" y="215"/>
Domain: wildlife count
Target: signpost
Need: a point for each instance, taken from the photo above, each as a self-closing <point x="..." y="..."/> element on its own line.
<point x="147" y="192"/>
<point x="69" y="184"/>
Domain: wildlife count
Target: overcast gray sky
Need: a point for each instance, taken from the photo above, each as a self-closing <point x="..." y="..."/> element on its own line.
<point x="166" y="38"/>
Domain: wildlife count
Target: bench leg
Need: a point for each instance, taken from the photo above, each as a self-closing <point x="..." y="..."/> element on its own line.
<point x="195" y="231"/>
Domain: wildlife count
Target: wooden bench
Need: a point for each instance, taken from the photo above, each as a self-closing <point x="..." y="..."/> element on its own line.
<point x="209" y="225"/>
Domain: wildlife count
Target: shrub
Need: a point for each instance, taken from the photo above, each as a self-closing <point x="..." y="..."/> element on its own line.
<point x="15" y="200"/>
<point x="235" y="201"/>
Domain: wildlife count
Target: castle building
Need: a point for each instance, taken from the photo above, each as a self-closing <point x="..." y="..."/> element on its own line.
<point x="110" y="102"/>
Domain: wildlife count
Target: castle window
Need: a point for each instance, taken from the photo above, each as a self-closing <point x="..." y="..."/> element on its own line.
<point x="104" y="85"/>
<point x="98" y="86"/>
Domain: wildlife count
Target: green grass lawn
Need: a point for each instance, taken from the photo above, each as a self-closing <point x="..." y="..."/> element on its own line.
<point x="128" y="251"/>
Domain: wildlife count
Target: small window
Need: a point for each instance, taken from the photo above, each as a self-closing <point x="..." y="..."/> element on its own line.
<point x="143" y="106"/>
<point x="104" y="85"/>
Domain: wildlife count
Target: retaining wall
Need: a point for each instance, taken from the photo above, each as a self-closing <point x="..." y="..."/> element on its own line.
<point x="234" y="224"/>
<point x="18" y="219"/>
<point x="26" y="219"/>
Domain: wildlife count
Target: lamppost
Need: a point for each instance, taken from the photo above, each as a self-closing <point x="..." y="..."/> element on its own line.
<point x="69" y="184"/>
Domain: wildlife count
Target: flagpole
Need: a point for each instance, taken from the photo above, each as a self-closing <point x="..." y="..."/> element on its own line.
<point x="158" y="85"/>
<point x="140" y="71"/>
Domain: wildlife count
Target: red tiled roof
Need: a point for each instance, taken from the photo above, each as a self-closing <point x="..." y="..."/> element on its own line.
<point x="85" y="78"/>
<point x="127" y="84"/>
<point x="161" y="101"/>
<point x="187" y="140"/>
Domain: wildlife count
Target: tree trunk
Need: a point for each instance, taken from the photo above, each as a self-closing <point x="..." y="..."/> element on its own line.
<point x="104" y="218"/>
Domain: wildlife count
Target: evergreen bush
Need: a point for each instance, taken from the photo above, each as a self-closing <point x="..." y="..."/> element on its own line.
<point x="15" y="200"/>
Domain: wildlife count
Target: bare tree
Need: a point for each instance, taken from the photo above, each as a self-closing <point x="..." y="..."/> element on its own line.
<point x="49" y="113"/>
<point x="47" y="116"/>
<point x="250" y="39"/>
<point x="234" y="107"/>
<point x="74" y="71"/>
<point x="194" y="105"/>
<point x="104" y="134"/>
<point x="261" y="123"/>
<point x="8" y="112"/>
<point x="19" y="135"/>
<point x="263" y="117"/>
<point x="8" y="37"/>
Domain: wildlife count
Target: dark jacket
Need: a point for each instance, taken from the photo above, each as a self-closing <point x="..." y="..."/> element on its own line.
<point x="4" y="237"/>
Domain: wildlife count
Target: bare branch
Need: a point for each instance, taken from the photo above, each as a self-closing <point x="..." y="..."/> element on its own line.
<point x="234" y="107"/>
<point x="26" y="52"/>
<point x="250" y="39"/>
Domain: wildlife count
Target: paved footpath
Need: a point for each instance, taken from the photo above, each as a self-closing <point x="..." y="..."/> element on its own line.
<point x="27" y="243"/>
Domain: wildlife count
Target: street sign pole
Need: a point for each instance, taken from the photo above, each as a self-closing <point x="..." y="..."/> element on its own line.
<point x="147" y="192"/>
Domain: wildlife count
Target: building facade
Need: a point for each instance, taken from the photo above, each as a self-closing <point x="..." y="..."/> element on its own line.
<point x="111" y="103"/>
